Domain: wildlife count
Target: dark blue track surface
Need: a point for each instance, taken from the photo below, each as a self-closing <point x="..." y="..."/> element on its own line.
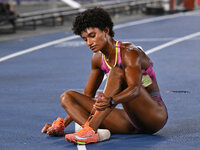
<point x="31" y="84"/>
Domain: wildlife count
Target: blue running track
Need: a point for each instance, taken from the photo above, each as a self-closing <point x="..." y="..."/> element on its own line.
<point x="32" y="82"/>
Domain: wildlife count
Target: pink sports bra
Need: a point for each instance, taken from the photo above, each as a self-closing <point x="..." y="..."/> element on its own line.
<point x="148" y="75"/>
<point x="105" y="66"/>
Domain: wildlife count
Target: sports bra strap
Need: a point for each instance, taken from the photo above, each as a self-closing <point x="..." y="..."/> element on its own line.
<point x="104" y="66"/>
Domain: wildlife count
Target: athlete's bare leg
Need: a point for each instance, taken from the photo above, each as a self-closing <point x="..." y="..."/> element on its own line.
<point x="148" y="114"/>
<point x="145" y="112"/>
<point x="79" y="107"/>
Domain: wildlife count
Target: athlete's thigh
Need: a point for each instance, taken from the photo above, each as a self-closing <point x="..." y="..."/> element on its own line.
<point x="83" y="100"/>
<point x="145" y="112"/>
<point x="117" y="122"/>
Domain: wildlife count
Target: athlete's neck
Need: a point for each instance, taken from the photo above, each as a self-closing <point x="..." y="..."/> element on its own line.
<point x="109" y="50"/>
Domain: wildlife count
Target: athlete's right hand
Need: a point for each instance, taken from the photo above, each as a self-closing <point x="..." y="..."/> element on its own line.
<point x="102" y="103"/>
<point x="46" y="127"/>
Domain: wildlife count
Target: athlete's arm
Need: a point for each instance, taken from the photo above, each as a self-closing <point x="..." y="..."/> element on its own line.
<point x="95" y="77"/>
<point x="132" y="67"/>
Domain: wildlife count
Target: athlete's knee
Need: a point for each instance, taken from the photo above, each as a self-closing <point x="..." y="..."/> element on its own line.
<point x="66" y="97"/>
<point x="157" y="122"/>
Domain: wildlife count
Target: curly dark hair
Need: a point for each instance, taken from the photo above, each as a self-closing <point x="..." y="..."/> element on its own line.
<point x="95" y="17"/>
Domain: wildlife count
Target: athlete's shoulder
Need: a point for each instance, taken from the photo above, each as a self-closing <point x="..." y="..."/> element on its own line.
<point x="129" y="48"/>
<point x="96" y="59"/>
<point x="97" y="55"/>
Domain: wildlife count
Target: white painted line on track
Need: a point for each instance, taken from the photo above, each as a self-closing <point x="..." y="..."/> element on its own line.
<point x="148" y="20"/>
<point x="37" y="47"/>
<point x="160" y="39"/>
<point x="157" y="48"/>
<point x="123" y="25"/>
<point x="80" y="147"/>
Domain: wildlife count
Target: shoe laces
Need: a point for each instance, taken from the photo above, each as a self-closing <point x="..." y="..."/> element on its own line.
<point x="86" y="130"/>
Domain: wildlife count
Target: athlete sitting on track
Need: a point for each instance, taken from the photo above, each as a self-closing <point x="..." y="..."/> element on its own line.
<point x="131" y="82"/>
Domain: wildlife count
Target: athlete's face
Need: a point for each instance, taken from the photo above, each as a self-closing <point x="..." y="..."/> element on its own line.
<point x="95" y="38"/>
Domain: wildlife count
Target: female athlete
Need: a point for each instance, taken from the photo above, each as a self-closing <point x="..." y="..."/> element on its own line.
<point x="131" y="82"/>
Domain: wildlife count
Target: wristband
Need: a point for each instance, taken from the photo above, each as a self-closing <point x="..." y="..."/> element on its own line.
<point x="112" y="102"/>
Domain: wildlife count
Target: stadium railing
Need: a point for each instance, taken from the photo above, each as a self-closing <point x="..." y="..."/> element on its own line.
<point x="60" y="15"/>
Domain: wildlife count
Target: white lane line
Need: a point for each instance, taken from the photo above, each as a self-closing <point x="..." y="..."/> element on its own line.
<point x="80" y="147"/>
<point x="162" y="46"/>
<point x="132" y="23"/>
<point x="155" y="39"/>
<point x="37" y="47"/>
<point x="148" y="20"/>
<point x="79" y="43"/>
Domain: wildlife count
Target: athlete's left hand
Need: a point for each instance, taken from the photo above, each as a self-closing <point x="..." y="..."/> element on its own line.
<point x="102" y="102"/>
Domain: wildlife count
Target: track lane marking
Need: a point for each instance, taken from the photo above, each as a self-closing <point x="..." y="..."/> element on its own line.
<point x="178" y="40"/>
<point x="119" y="26"/>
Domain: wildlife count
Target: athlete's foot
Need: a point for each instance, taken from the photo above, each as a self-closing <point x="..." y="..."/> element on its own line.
<point x="87" y="135"/>
<point x="84" y="136"/>
<point x="57" y="128"/>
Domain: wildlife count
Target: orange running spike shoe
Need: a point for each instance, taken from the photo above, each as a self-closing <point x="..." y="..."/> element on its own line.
<point x="57" y="128"/>
<point x="83" y="136"/>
